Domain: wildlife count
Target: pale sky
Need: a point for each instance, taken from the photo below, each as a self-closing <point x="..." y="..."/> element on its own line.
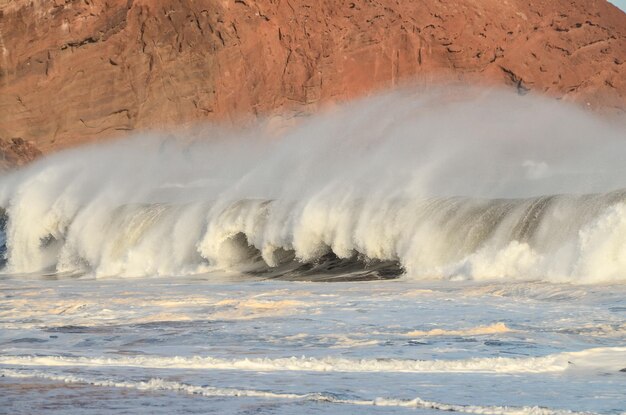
<point x="619" y="3"/>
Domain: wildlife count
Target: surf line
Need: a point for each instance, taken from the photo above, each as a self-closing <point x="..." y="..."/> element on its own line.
<point x="545" y="364"/>
<point x="157" y="384"/>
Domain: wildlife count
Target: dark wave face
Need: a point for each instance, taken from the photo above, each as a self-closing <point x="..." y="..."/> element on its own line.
<point x="486" y="186"/>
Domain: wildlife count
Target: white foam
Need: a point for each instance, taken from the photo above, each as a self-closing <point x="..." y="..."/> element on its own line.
<point x="590" y="359"/>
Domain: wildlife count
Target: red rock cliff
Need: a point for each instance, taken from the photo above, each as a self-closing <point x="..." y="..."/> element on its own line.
<point x="73" y="71"/>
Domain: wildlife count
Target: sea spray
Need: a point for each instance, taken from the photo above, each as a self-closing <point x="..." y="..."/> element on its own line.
<point x="486" y="185"/>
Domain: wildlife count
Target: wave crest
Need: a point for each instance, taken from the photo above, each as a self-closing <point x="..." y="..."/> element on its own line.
<point x="395" y="184"/>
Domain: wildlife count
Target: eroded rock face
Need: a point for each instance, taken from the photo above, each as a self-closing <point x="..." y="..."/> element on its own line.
<point x="74" y="71"/>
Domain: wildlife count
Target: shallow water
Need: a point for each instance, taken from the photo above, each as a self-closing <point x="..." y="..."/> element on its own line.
<point x="228" y="344"/>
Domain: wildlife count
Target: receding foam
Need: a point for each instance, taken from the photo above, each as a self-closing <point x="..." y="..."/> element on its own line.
<point x="157" y="384"/>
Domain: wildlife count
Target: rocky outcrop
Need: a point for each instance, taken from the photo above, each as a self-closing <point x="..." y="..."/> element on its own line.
<point x="16" y="152"/>
<point x="80" y="70"/>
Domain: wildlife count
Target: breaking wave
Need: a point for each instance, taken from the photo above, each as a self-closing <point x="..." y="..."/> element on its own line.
<point x="609" y="359"/>
<point x="484" y="185"/>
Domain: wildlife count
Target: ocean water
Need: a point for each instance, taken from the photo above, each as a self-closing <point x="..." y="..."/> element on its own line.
<point x="459" y="251"/>
<point x="226" y="344"/>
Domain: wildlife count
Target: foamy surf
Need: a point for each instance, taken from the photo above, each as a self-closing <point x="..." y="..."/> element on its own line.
<point x="157" y="384"/>
<point x="475" y="344"/>
<point x="609" y="359"/>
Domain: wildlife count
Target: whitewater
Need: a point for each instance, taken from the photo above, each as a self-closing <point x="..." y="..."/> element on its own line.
<point x="455" y="249"/>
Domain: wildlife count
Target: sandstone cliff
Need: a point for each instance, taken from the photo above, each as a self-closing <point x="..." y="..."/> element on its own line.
<point x="79" y="70"/>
